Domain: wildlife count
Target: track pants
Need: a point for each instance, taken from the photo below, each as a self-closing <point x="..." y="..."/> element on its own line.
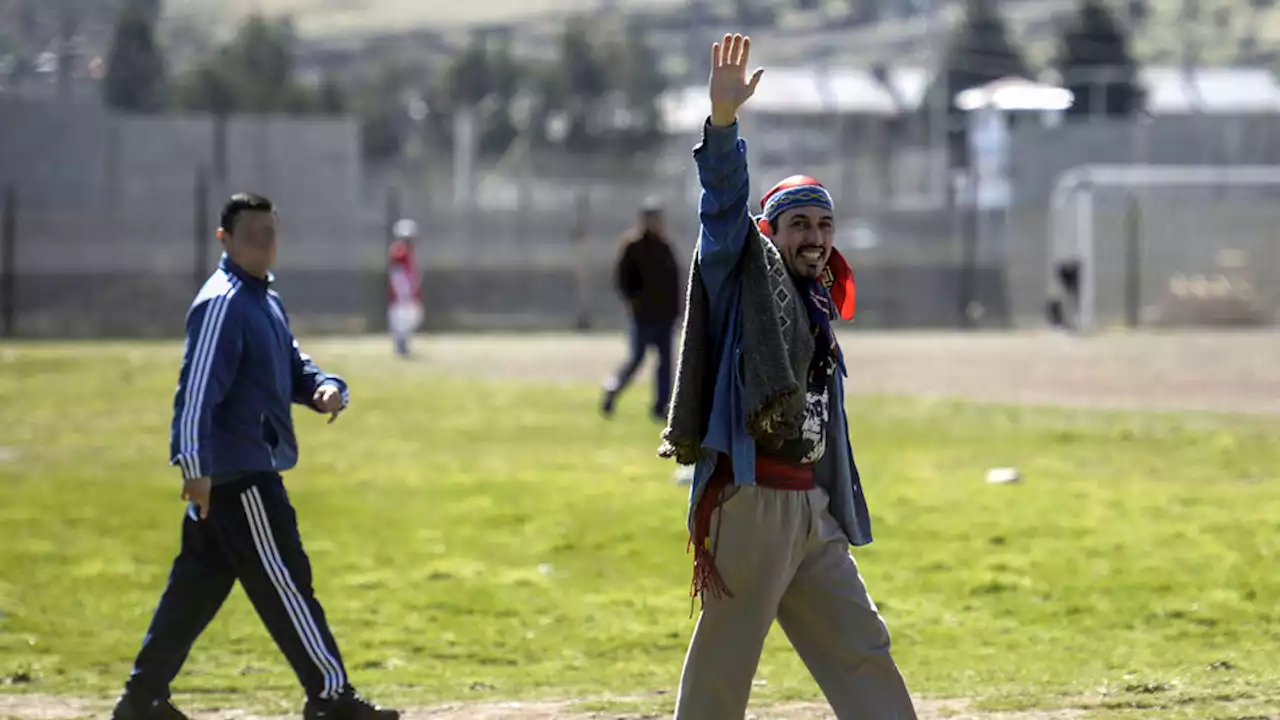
<point x="784" y="557"/>
<point x="645" y="335"/>
<point x="251" y="535"/>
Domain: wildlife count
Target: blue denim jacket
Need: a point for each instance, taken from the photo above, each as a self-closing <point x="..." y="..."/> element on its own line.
<point x="726" y="225"/>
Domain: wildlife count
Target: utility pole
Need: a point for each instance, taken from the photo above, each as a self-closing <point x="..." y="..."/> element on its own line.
<point x="940" y="103"/>
<point x="68" y="22"/>
<point x="1188" y="18"/>
<point x="8" y="259"/>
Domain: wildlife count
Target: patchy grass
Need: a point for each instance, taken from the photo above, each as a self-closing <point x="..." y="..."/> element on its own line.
<point x="479" y="540"/>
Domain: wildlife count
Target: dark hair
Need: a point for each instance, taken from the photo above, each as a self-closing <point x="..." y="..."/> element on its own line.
<point x="240" y="203"/>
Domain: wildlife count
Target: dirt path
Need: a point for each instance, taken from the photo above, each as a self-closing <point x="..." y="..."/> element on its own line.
<point x="1200" y="370"/>
<point x="46" y="707"/>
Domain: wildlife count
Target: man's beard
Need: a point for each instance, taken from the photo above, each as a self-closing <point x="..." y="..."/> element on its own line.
<point x="801" y="269"/>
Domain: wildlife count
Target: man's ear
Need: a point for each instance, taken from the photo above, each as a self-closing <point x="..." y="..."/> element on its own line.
<point x="223" y="237"/>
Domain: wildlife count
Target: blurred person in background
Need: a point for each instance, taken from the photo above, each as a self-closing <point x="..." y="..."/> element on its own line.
<point x="648" y="278"/>
<point x="759" y="412"/>
<point x="404" y="286"/>
<point x="1063" y="308"/>
<point x="232" y="436"/>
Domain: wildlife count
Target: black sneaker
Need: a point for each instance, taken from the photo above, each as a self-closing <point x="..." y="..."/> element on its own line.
<point x="132" y="708"/>
<point x="349" y="706"/>
<point x="607" y="403"/>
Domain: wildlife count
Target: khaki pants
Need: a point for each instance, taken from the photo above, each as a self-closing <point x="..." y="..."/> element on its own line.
<point x="783" y="556"/>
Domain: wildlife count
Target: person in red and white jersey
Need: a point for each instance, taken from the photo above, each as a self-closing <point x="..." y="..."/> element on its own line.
<point x="404" y="286"/>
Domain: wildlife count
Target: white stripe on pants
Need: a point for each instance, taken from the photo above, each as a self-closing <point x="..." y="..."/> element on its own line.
<point x="294" y="604"/>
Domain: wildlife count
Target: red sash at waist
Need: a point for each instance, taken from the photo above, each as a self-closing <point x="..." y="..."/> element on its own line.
<point x="771" y="472"/>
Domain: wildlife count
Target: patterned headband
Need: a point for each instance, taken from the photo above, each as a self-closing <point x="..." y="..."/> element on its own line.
<point x="785" y="199"/>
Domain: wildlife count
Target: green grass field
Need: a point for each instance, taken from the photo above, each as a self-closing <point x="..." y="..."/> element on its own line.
<point x="475" y="540"/>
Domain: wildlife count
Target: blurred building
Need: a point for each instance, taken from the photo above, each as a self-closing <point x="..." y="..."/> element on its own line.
<point x="830" y="106"/>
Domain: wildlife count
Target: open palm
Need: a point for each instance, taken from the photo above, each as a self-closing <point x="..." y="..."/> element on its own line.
<point x="729" y="85"/>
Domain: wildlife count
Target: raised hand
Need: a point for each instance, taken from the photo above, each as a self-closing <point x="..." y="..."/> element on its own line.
<point x="729" y="86"/>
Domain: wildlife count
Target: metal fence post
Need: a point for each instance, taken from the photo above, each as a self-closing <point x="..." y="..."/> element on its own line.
<point x="8" y="259"/>
<point x="1133" y="262"/>
<point x="200" y="226"/>
<point x="220" y="146"/>
<point x="969" y="254"/>
<point x="582" y="268"/>
<point x="392" y="213"/>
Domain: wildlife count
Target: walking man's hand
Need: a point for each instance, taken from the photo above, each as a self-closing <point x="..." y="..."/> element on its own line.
<point x="197" y="490"/>
<point x="328" y="400"/>
<point x="729" y="86"/>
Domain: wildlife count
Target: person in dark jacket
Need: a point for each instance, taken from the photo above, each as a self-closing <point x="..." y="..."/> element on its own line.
<point x="1064" y="304"/>
<point x="232" y="435"/>
<point x="648" y="278"/>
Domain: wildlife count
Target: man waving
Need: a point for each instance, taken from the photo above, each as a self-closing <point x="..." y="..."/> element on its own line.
<point x="759" y="410"/>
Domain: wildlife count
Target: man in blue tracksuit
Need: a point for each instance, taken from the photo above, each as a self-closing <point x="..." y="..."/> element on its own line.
<point x="232" y="436"/>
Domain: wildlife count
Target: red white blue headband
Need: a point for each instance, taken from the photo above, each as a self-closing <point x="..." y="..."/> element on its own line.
<point x="785" y="197"/>
<point x="804" y="191"/>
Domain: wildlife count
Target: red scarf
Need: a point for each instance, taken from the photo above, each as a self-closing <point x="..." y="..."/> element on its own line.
<point x="837" y="278"/>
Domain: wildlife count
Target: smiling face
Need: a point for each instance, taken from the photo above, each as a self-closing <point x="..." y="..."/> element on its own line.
<point x="804" y="237"/>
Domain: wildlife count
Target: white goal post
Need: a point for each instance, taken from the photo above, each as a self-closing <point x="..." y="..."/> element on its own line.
<point x="1079" y="184"/>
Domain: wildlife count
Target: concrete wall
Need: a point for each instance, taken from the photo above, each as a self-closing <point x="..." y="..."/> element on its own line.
<point x="107" y="222"/>
<point x="1180" y="231"/>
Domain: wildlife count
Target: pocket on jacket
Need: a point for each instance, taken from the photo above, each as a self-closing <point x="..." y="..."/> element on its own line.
<point x="269" y="434"/>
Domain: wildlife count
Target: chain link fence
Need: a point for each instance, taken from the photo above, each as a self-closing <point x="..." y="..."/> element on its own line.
<point x="108" y="228"/>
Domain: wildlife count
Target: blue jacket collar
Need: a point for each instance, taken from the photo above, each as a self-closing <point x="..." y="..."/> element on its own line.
<point x="254" y="282"/>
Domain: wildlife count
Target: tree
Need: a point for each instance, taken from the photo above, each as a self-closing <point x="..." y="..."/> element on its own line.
<point x="979" y="51"/>
<point x="1096" y="65"/>
<point x="207" y="88"/>
<point x="639" y="84"/>
<point x="485" y="78"/>
<point x="330" y="98"/>
<point x="861" y="12"/>
<point x="601" y="95"/>
<point x="582" y="85"/>
<point x="260" y="57"/>
<point x="383" y="117"/>
<point x="467" y="76"/>
<point x="499" y="131"/>
<point x="253" y="73"/>
<point x="754" y="13"/>
<point x="135" y="79"/>
<point x="569" y="92"/>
